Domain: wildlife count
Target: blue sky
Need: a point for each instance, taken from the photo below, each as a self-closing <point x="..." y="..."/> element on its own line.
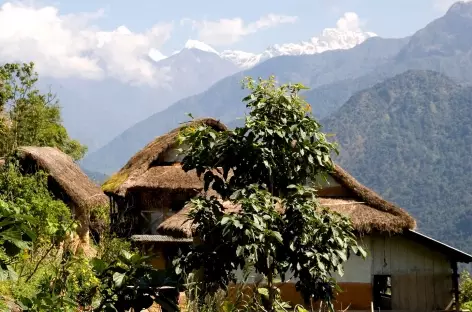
<point x="94" y="39"/>
<point x="387" y="18"/>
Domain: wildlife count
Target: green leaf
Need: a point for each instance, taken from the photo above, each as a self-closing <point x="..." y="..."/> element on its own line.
<point x="310" y="159"/>
<point x="126" y="254"/>
<point x="263" y="292"/>
<point x="4" y="275"/>
<point x="278" y="236"/>
<point x="225" y="220"/>
<point x="342" y="255"/>
<point x="118" y="278"/>
<point x="98" y="265"/>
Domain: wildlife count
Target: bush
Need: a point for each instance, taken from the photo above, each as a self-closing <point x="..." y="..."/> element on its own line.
<point x="466" y="290"/>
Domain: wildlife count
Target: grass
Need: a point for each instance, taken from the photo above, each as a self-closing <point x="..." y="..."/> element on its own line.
<point x="115" y="181"/>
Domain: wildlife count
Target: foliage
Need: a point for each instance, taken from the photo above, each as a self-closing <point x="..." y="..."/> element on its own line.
<point x="28" y="117"/>
<point x="49" y="225"/>
<point x="466" y="289"/>
<point x="50" y="276"/>
<point x="415" y="125"/>
<point x="262" y="168"/>
<point x="129" y="282"/>
<point x="76" y="282"/>
<point x="242" y="297"/>
<point x="69" y="284"/>
<point x="107" y="243"/>
<point x="16" y="235"/>
<point x="29" y="194"/>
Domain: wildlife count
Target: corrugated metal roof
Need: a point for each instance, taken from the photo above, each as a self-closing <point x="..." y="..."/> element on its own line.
<point x="454" y="253"/>
<point x="160" y="238"/>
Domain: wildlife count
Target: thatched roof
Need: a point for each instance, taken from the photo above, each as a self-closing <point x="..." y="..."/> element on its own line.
<point x="137" y="170"/>
<point x="168" y="178"/>
<point x="66" y="174"/>
<point x="367" y="210"/>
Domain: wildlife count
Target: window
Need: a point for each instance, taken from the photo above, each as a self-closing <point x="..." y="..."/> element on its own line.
<point x="151" y="220"/>
<point x="382" y="295"/>
<point x="177" y="204"/>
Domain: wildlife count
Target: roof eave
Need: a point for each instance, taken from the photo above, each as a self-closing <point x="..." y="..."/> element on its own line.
<point x="453" y="253"/>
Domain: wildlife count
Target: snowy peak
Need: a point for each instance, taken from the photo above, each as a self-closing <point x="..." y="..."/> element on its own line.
<point x="346" y="35"/>
<point x="241" y="59"/>
<point x="195" y="44"/>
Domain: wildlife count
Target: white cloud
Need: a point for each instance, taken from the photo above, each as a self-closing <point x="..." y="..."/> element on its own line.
<point x="349" y="22"/>
<point x="228" y="31"/>
<point x="70" y="45"/>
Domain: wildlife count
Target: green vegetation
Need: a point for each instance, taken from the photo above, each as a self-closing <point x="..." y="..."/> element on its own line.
<point x="466" y="290"/>
<point x="409" y="139"/>
<point x="262" y="167"/>
<point x="29" y="118"/>
<point x="40" y="267"/>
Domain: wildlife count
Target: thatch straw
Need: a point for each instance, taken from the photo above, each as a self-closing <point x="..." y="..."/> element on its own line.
<point x="143" y="160"/>
<point x="67" y="174"/>
<point x="372" y="199"/>
<point x="366" y="209"/>
<point x="68" y="183"/>
<point x="168" y="177"/>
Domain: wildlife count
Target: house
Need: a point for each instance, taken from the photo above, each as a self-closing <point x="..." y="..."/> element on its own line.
<point x="66" y="182"/>
<point x="404" y="270"/>
<point x="152" y="187"/>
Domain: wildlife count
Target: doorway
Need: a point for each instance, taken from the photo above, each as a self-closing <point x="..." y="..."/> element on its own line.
<point x="382" y="292"/>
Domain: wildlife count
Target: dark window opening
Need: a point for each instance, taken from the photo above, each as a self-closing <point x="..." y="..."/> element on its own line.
<point x="178" y="204"/>
<point x="382" y="295"/>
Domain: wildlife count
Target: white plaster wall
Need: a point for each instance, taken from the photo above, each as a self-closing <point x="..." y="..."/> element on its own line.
<point x="356" y="269"/>
<point x="397" y="254"/>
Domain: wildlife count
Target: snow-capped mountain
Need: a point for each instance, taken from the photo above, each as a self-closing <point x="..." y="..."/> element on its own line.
<point x="330" y="39"/>
<point x="195" y="44"/>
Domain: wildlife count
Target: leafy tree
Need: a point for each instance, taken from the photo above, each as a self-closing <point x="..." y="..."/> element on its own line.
<point x="129" y="282"/>
<point x="262" y="168"/>
<point x="28" y="117"/>
<point x="30" y="196"/>
<point x="42" y="217"/>
<point x="466" y="290"/>
<point x="16" y="235"/>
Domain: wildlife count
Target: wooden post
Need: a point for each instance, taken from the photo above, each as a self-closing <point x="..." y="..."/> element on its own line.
<point x="110" y="213"/>
<point x="455" y="285"/>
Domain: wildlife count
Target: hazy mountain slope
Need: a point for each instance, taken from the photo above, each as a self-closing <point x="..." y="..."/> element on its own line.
<point x="444" y="45"/>
<point x="446" y="36"/>
<point x="223" y="99"/>
<point x="96" y="177"/>
<point x="333" y="75"/>
<point x="410" y="139"/>
<point x="96" y="111"/>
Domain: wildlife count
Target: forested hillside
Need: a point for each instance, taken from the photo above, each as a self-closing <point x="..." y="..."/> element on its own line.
<point x="410" y="139"/>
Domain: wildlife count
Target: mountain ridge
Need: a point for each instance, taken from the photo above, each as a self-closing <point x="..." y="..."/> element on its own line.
<point x="410" y="139"/>
<point x="330" y="39"/>
<point x="223" y="99"/>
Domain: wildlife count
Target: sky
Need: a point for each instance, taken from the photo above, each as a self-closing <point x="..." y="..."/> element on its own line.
<point x="94" y="39"/>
